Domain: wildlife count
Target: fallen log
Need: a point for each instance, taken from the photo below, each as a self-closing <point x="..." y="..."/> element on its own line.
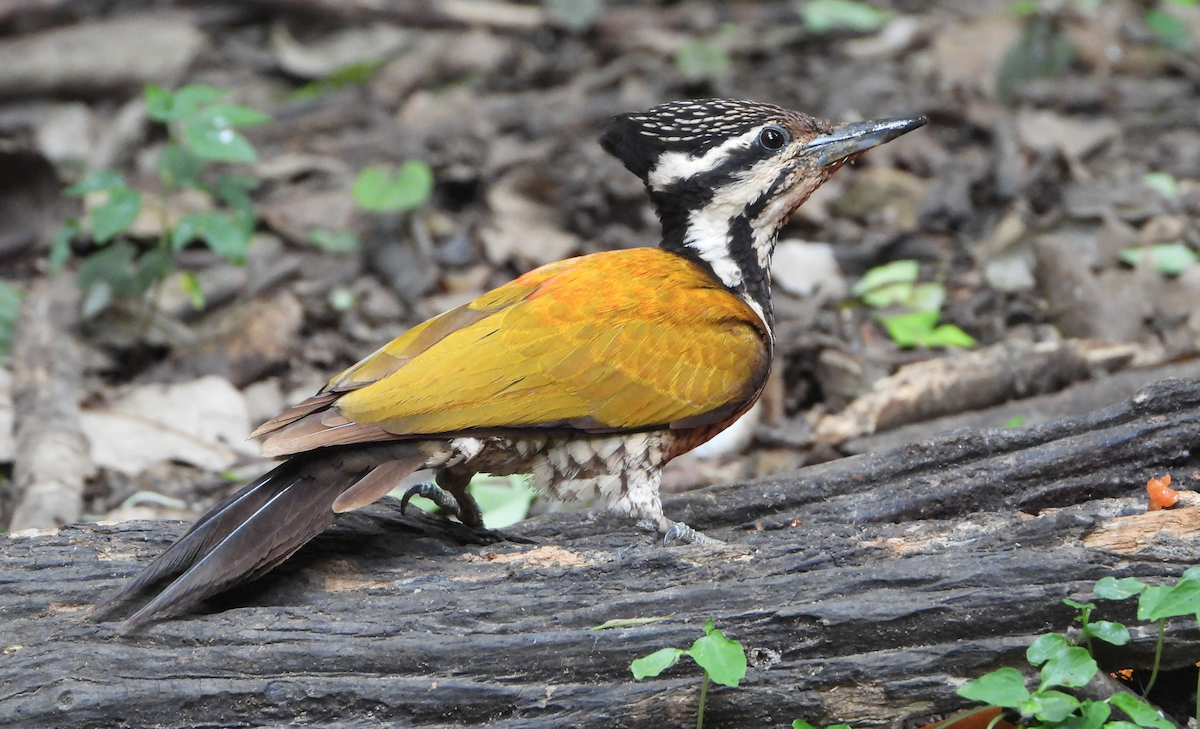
<point x="865" y="590"/>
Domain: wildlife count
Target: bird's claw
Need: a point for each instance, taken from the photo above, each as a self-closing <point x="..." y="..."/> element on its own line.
<point x="683" y="533"/>
<point x="434" y="493"/>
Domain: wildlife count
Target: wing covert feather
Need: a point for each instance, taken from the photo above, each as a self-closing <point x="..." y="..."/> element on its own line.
<point x="632" y="339"/>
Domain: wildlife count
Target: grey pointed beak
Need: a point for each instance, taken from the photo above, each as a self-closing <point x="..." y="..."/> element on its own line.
<point x="851" y="138"/>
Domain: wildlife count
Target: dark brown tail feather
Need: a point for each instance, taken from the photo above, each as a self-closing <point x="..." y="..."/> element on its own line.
<point x="255" y="529"/>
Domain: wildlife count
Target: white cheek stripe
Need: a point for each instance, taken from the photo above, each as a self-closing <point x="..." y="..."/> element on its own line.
<point x="675" y="166"/>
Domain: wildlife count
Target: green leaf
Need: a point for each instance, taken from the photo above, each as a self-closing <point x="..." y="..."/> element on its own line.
<point x="218" y="230"/>
<point x="1046" y="647"/>
<point x="60" y="245"/>
<point x="724" y="659"/>
<point x="1168" y="258"/>
<point x="1079" y="605"/>
<point x="1182" y="598"/>
<point x="227" y="116"/>
<point x="1092" y="715"/>
<point x="655" y="663"/>
<point x="1110" y="588"/>
<point x="949" y="335"/>
<point x="376" y="191"/>
<point x="1109" y="632"/>
<point x="95" y="181"/>
<point x="896" y="272"/>
<point x="700" y="60"/>
<point x="502" y="500"/>
<point x="1015" y="421"/>
<point x="192" y="286"/>
<point x="1148" y="601"/>
<point x="1168" y="29"/>
<point x="97" y="298"/>
<point x="177" y="166"/>
<point x="234" y="189"/>
<point x="333" y="242"/>
<point x="1050" y="706"/>
<point x="102" y="274"/>
<point x="801" y="724"/>
<point x="1141" y="712"/>
<point x="1071" y="667"/>
<point x="822" y="16"/>
<point x="1002" y="687"/>
<point x="152" y="267"/>
<point x="10" y="311"/>
<point x="1163" y="183"/>
<point x="218" y="144"/>
<point x="116" y="214"/>
<point x="164" y="106"/>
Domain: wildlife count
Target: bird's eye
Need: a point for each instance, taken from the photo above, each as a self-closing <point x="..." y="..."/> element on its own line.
<point x="773" y="137"/>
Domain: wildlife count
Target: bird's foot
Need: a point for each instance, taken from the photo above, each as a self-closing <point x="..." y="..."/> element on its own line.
<point x="680" y="532"/>
<point x="444" y="499"/>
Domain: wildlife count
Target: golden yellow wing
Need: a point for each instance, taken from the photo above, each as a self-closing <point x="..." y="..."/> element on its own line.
<point x="620" y="340"/>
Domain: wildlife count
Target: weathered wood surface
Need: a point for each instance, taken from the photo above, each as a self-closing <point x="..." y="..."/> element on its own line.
<point x="865" y="590"/>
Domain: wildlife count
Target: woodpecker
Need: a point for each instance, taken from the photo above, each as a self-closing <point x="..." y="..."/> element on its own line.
<point x="588" y="374"/>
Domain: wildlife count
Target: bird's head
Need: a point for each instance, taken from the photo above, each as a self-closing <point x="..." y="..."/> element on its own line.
<point x="725" y="175"/>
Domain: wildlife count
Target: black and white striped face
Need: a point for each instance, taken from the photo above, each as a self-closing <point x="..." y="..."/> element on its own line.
<point x="725" y="175"/>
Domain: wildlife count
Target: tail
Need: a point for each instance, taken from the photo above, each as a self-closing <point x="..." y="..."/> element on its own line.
<point x="260" y="526"/>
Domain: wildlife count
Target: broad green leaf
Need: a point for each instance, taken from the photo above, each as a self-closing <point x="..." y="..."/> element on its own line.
<point x="1148" y="601"/>
<point x="1072" y="667"/>
<point x="104" y="274"/>
<point x="655" y="663"/>
<point x="377" y="191"/>
<point x="1182" y="598"/>
<point x="949" y="335"/>
<point x="1110" y="588"/>
<point x="1120" y="725"/>
<point x="218" y="230"/>
<point x="1002" y="687"/>
<point x="1109" y="632"/>
<point x="502" y="500"/>
<point x="724" y="659"/>
<point x="1051" y="706"/>
<point x="1079" y="605"/>
<point x="1169" y="30"/>
<point x="97" y="298"/>
<point x="234" y="190"/>
<point x="164" y="106"/>
<point x="699" y="59"/>
<point x="1168" y="259"/>
<point x="115" y="214"/>
<point x="1141" y="712"/>
<point x="801" y="724"/>
<point x="218" y="144"/>
<point x="1163" y="183"/>
<point x="822" y="16"/>
<point x="10" y="311"/>
<point x="926" y="297"/>
<point x="903" y="271"/>
<point x="232" y="115"/>
<point x="95" y="181"/>
<point x="1046" y="647"/>
<point x="1092" y="714"/>
<point x="333" y="242"/>
<point x="152" y="267"/>
<point x="177" y="166"/>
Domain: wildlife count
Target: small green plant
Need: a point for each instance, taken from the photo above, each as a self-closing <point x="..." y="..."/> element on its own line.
<point x="1168" y="259"/>
<point x="1064" y="663"/>
<point x="723" y="660"/>
<point x="202" y="130"/>
<point x="907" y="309"/>
<point x="1164" y="183"/>
<point x="823" y="16"/>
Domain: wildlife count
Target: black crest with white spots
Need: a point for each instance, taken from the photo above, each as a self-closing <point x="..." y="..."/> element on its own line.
<point x="693" y="126"/>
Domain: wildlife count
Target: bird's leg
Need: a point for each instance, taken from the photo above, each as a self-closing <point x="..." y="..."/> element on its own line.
<point x="642" y="502"/>
<point x="450" y="494"/>
<point x="454" y="481"/>
<point x="429" y="490"/>
<point x="684" y="533"/>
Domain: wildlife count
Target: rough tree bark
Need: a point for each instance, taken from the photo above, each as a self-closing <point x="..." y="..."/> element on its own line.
<point x="865" y="590"/>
